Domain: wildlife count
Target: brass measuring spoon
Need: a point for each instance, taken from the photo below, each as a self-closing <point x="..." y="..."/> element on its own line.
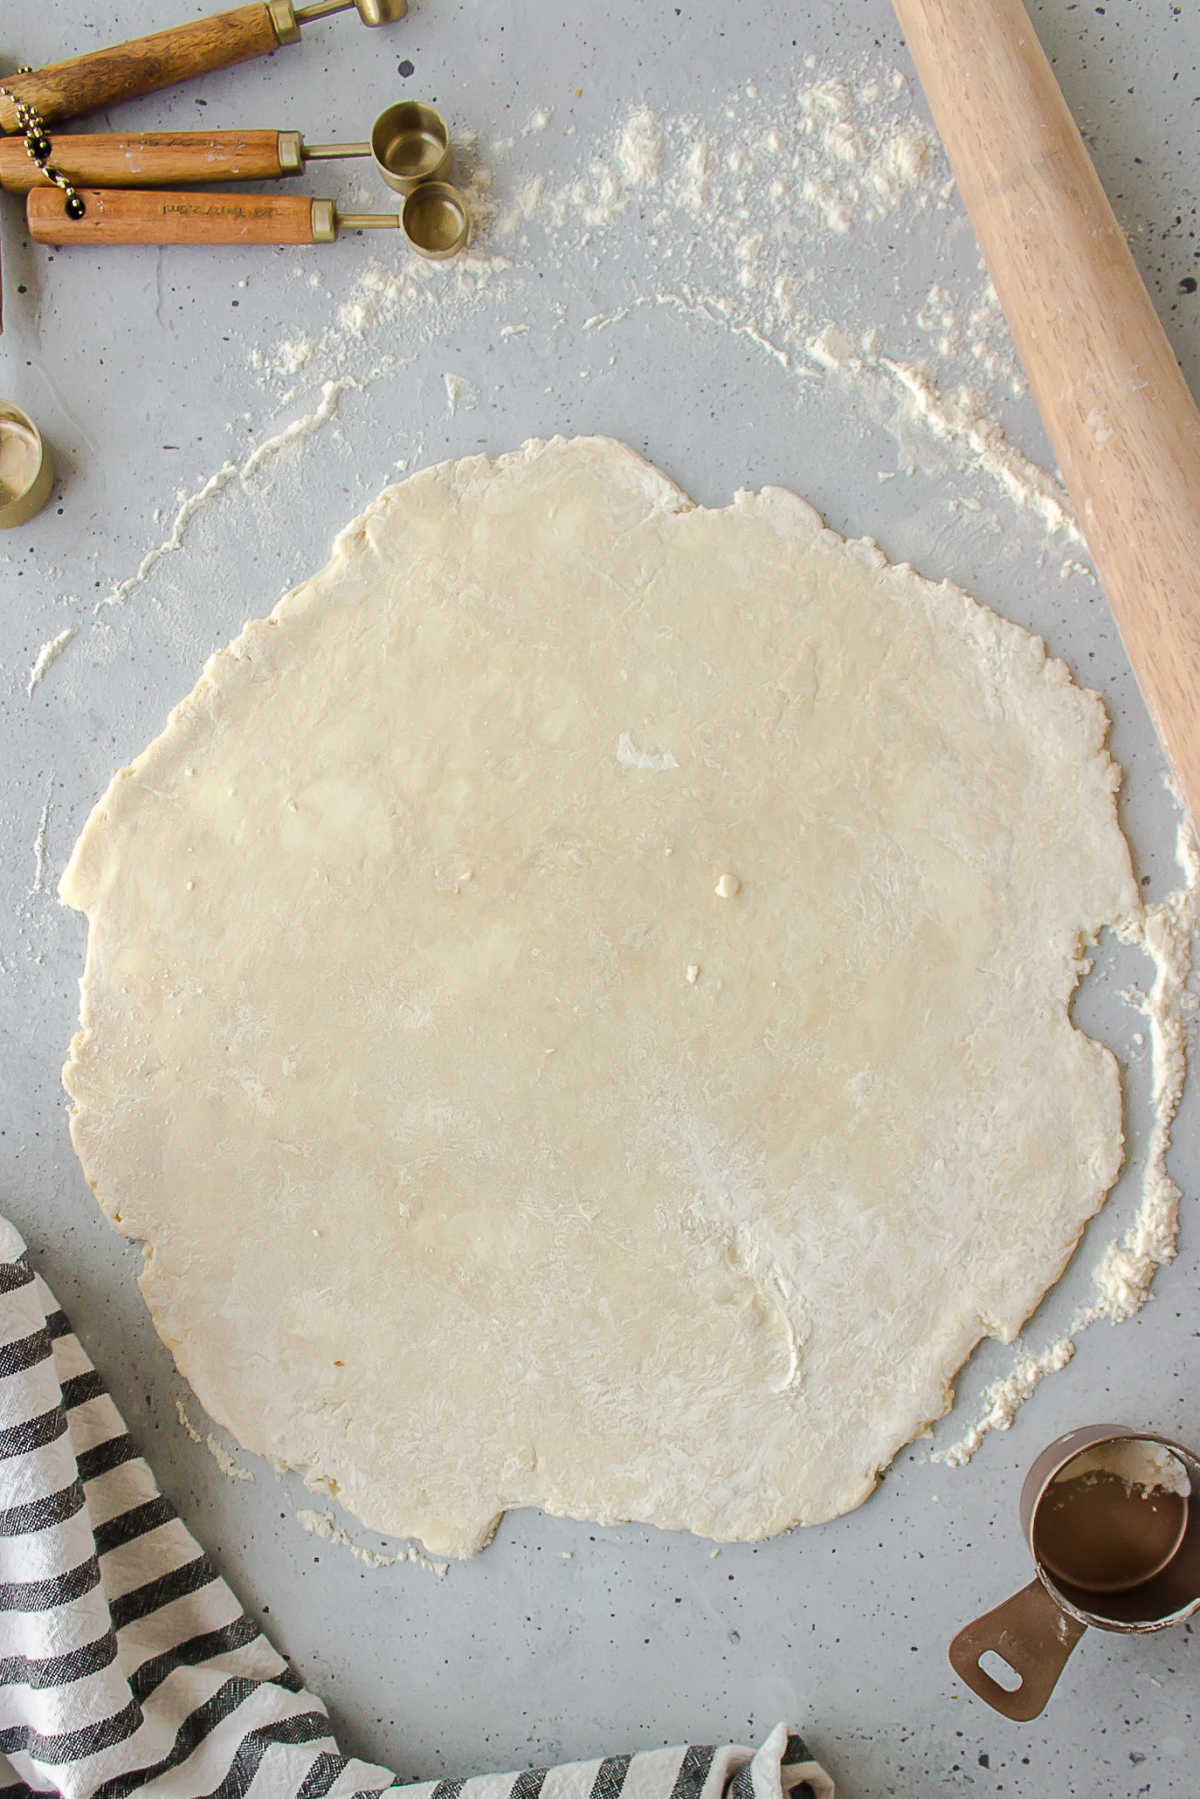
<point x="26" y="468"/>
<point x="409" y="142"/>
<point x="434" y="218"/>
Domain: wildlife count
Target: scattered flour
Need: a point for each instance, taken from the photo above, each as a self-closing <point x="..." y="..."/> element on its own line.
<point x="461" y="395"/>
<point x="287" y="358"/>
<point x="1121" y="1280"/>
<point x="1072" y="567"/>
<point x="46" y="657"/>
<point x="40" y="884"/>
<point x="640" y="149"/>
<point x="1004" y="1398"/>
<point x="321" y="1524"/>
<point x="958" y="417"/>
<point x="189" y="1427"/>
<point x="227" y="474"/>
<point x="737" y="218"/>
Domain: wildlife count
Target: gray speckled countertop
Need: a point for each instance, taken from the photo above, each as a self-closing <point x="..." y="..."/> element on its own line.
<point x="150" y="371"/>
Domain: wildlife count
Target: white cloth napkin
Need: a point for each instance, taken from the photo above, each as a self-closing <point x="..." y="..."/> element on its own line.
<point x="128" y="1667"/>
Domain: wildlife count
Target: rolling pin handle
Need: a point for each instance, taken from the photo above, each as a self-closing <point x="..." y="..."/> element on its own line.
<point x="1117" y="410"/>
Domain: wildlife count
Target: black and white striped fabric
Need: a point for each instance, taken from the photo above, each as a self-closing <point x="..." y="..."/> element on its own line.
<point x="127" y="1667"/>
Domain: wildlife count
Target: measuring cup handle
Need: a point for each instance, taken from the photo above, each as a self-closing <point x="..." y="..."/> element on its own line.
<point x="1029" y="1632"/>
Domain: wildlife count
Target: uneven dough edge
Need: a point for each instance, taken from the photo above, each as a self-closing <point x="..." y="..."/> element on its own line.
<point x="83" y="883"/>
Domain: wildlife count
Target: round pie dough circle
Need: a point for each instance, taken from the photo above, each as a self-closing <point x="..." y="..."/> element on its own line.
<point x="576" y="1004"/>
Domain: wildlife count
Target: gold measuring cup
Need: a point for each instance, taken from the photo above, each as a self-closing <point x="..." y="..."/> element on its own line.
<point x="26" y="467"/>
<point x="1112" y="1517"/>
<point x="119" y="185"/>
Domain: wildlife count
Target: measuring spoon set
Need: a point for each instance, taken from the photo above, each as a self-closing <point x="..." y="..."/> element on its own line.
<point x="116" y="188"/>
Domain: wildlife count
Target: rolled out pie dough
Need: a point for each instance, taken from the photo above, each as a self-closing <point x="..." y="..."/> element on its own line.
<point x="577" y="1004"/>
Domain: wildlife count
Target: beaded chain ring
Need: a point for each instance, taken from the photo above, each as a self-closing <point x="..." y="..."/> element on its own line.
<point x="37" y="142"/>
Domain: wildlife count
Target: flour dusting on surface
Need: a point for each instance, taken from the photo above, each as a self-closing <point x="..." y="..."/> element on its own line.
<point x="958" y="417"/>
<point x="227" y="474"/>
<point x="40" y="859"/>
<point x="461" y="395"/>
<point x="1004" y="1398"/>
<point x="1122" y="1278"/>
<point x="46" y="657"/>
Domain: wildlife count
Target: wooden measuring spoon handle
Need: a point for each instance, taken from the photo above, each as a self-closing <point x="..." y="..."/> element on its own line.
<point x="113" y="217"/>
<point x="1117" y="410"/>
<point x="149" y="159"/>
<point x="122" y="72"/>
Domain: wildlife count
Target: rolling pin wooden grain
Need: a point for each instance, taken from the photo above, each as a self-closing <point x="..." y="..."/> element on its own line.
<point x="1118" y="412"/>
<point x="124" y="71"/>
<point x="95" y="80"/>
<point x="148" y="159"/>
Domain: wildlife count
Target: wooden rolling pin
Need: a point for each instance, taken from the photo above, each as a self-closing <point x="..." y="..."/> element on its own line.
<point x="1122" y="422"/>
<point x="154" y="158"/>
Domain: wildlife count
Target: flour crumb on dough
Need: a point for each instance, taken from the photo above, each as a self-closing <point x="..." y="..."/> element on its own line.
<point x="728" y="887"/>
<point x="323" y="1525"/>
<point x="630" y="756"/>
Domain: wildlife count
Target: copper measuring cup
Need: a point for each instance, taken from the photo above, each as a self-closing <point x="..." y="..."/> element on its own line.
<point x="1110" y="1551"/>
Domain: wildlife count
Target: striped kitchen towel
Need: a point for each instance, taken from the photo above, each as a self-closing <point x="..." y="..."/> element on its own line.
<point x="128" y="1667"/>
